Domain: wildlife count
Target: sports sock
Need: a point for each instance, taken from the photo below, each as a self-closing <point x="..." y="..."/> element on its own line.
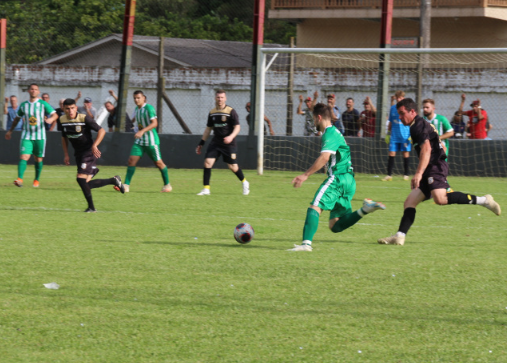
<point x="38" y="169"/>
<point x="98" y="183"/>
<point x="461" y="198"/>
<point x="206" y="177"/>
<point x="407" y="220"/>
<point x="240" y="175"/>
<point x="86" y="191"/>
<point x="406" y="163"/>
<point x="21" y="168"/>
<point x="346" y="221"/>
<point x="390" y="165"/>
<point x="130" y="173"/>
<point x="165" y="175"/>
<point x="311" y="224"/>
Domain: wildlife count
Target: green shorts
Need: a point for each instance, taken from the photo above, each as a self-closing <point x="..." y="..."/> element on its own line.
<point x="153" y="151"/>
<point x="335" y="194"/>
<point x="35" y="147"/>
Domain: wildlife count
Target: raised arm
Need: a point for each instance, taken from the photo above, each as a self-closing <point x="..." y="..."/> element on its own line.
<point x="111" y="92"/>
<point x="300" y="106"/>
<point x="463" y="97"/>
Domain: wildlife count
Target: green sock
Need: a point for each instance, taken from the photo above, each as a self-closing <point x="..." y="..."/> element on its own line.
<point x="38" y="170"/>
<point x="130" y="173"/>
<point x="311" y="224"/>
<point x="346" y="221"/>
<point x="165" y="175"/>
<point x="21" y="168"/>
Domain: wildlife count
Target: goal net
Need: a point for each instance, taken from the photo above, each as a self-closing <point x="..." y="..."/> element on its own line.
<point x="288" y="77"/>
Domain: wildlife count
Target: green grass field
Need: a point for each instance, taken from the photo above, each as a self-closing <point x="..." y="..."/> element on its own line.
<point x="158" y="277"/>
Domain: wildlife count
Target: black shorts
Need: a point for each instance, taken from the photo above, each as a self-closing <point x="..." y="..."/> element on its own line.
<point x="87" y="164"/>
<point x="227" y="151"/>
<point x="434" y="177"/>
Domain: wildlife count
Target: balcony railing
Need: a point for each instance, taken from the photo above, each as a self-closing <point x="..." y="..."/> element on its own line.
<point x="340" y="4"/>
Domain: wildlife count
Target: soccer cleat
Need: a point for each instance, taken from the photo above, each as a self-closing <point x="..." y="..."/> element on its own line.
<point x="387" y="178"/>
<point x="303" y="247"/>
<point x="18" y="182"/>
<point x="370" y="206"/>
<point x="392" y="240"/>
<point x="167" y="188"/>
<point x="205" y="191"/>
<point x="118" y="184"/>
<point x="492" y="205"/>
<point x="90" y="210"/>
<point x="35" y="183"/>
<point x="406" y="177"/>
<point x="246" y="188"/>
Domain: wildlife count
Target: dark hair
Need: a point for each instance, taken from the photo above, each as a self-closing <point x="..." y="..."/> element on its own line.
<point x="69" y="102"/>
<point x="408" y="103"/>
<point x="33" y="84"/>
<point x="322" y="110"/>
<point x="105" y="103"/>
<point x="429" y="100"/>
<point x="350" y="98"/>
<point x="219" y="91"/>
<point x="44" y="94"/>
<point x="139" y="92"/>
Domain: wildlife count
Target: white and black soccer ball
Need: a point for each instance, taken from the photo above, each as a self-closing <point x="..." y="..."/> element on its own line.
<point x="243" y="233"/>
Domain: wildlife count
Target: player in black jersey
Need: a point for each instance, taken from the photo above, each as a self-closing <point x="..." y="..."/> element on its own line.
<point x="430" y="179"/>
<point x="224" y="122"/>
<point x="77" y="128"/>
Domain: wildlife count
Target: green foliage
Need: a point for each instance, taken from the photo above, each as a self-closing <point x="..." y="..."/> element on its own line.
<point x="157" y="277"/>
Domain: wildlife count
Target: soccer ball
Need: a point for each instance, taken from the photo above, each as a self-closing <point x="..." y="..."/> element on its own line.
<point x="243" y="233"/>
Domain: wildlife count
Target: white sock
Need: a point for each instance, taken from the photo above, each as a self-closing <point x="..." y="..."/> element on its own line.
<point x="481" y="200"/>
<point x="400" y="234"/>
<point x="361" y="212"/>
<point x="306" y="242"/>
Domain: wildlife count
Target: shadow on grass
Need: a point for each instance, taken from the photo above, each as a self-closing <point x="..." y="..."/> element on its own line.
<point x="197" y="244"/>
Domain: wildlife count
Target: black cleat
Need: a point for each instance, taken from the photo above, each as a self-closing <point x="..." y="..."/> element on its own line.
<point x="118" y="184"/>
<point x="90" y="210"/>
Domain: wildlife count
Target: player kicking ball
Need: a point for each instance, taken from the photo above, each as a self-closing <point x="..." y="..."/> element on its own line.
<point x="77" y="128"/>
<point x="430" y="179"/>
<point x="337" y="191"/>
<point x="146" y="141"/>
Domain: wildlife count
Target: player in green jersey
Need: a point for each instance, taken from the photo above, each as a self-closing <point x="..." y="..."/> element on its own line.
<point x="33" y="134"/>
<point x="147" y="141"/>
<point x="442" y="125"/>
<point x="336" y="192"/>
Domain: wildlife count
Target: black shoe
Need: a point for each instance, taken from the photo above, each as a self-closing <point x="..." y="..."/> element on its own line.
<point x="90" y="210"/>
<point x="118" y="185"/>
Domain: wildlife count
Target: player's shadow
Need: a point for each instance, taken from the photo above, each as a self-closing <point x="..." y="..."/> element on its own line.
<point x="197" y="244"/>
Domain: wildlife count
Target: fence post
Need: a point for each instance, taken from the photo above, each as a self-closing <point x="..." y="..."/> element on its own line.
<point x="3" y="43"/>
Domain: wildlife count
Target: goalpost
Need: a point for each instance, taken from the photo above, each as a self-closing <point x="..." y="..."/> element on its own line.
<point x="442" y="74"/>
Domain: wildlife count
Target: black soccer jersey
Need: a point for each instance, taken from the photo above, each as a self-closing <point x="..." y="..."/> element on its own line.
<point x="223" y="122"/>
<point x="420" y="131"/>
<point x="79" y="132"/>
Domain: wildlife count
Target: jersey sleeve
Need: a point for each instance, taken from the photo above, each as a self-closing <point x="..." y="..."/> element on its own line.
<point x="151" y="112"/>
<point x="48" y="109"/>
<point x="393" y="114"/>
<point x="330" y="142"/>
<point x="90" y="122"/>
<point x="234" y="120"/>
<point x="209" y="123"/>
<point x="20" y="112"/>
<point x="422" y="133"/>
<point x="446" y="125"/>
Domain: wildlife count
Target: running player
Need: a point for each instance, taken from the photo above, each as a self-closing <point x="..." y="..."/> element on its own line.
<point x="146" y="141"/>
<point x="336" y="192"/>
<point x="77" y="128"/>
<point x="223" y="121"/>
<point x="441" y="123"/>
<point x="33" y="134"/>
<point x="430" y="178"/>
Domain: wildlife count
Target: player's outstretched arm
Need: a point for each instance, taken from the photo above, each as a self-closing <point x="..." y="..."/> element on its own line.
<point x="53" y="117"/>
<point x="424" y="160"/>
<point x="317" y="165"/>
<point x="95" y="147"/>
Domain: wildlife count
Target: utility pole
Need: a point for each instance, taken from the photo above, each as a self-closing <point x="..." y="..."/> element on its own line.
<point x="3" y="44"/>
<point x="290" y="87"/>
<point x="160" y="83"/>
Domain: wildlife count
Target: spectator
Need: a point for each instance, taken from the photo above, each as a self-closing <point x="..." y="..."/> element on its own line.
<point x="110" y="107"/>
<point x="442" y="125"/>
<point x="11" y="112"/>
<point x="477" y="119"/>
<point x="489" y="127"/>
<point x="49" y="127"/>
<point x="267" y="122"/>
<point x="367" y="118"/>
<point x="88" y="108"/>
<point x="337" y="119"/>
<point x="350" y="119"/>
<point x="458" y="125"/>
<point x="310" y="128"/>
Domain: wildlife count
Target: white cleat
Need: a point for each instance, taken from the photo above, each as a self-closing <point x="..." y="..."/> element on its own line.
<point x="370" y="206"/>
<point x="492" y="205"/>
<point x="303" y="247"/>
<point x="246" y="188"/>
<point x="127" y="188"/>
<point x="167" y="188"/>
<point x="406" y="177"/>
<point x="392" y="240"/>
<point x="205" y="191"/>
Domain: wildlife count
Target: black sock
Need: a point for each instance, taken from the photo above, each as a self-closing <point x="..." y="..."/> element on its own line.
<point x="99" y="183"/>
<point x="239" y="174"/>
<point x="390" y="165"/>
<point x="405" y="165"/>
<point x="407" y="220"/>
<point x="206" y="176"/>
<point x="461" y="198"/>
<point x="86" y="191"/>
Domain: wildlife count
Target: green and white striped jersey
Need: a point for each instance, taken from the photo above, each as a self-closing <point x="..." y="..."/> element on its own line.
<point x="442" y="125"/>
<point x="143" y="117"/>
<point x="333" y="142"/>
<point x="33" y="119"/>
